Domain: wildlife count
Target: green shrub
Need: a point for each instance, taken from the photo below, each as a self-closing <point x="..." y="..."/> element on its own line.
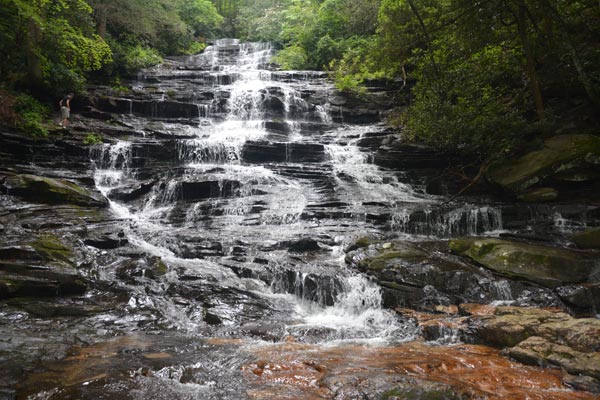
<point x="92" y="139"/>
<point x="31" y="115"/>
<point x="140" y="57"/>
<point x="292" y="58"/>
<point x="194" y="47"/>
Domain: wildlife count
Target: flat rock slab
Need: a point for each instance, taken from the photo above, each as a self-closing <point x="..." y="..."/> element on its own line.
<point x="548" y="266"/>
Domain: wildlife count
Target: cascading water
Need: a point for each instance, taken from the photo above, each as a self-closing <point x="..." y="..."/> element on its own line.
<point x="218" y="192"/>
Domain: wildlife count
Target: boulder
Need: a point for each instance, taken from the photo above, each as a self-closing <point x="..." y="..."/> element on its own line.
<point x="421" y="276"/>
<point x="557" y="156"/>
<point x="544" y="337"/>
<point x="548" y="266"/>
<point x="39" y="189"/>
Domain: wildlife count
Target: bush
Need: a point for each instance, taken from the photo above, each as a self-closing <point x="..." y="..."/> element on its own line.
<point x="32" y="113"/>
<point x="140" y="57"/>
<point x="23" y="112"/>
<point x="92" y="139"/>
<point x="292" y="58"/>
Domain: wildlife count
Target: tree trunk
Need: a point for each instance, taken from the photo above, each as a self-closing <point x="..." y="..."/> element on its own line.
<point x="101" y="18"/>
<point x="536" y="90"/>
<point x="34" y="62"/>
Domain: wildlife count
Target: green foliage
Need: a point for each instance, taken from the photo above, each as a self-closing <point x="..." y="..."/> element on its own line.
<point x="138" y="57"/>
<point x="291" y="58"/>
<point x="31" y="115"/>
<point x="471" y="106"/>
<point x="92" y="139"/>
<point x="49" y="37"/>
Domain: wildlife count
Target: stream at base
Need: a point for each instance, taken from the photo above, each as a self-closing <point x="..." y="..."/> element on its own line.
<point x="235" y="190"/>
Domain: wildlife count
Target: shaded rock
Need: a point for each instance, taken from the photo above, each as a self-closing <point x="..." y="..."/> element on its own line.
<point x="304" y="245"/>
<point x="558" y="155"/>
<point x="39" y="189"/>
<point x="588" y="239"/>
<point x="539" y="195"/>
<point x="193" y="191"/>
<point x="547" y="266"/>
<point x="47" y="285"/>
<point x="582" y="300"/>
<point x="106" y="241"/>
<point x="582" y="382"/>
<point x="133" y="191"/>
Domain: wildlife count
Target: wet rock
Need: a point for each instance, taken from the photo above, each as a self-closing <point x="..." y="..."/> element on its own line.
<point x="547" y="266"/>
<point x="46" y="285"/>
<point x="559" y="154"/>
<point x="582" y="300"/>
<point x="304" y="245"/>
<point x="266" y="152"/>
<point x="194" y="191"/>
<point x="546" y="337"/>
<point x="106" y="240"/>
<point x="132" y="192"/>
<point x="582" y="382"/>
<point x="39" y="189"/>
<point x="539" y="195"/>
<point x="540" y="351"/>
<point x="587" y="239"/>
<point x="151" y="268"/>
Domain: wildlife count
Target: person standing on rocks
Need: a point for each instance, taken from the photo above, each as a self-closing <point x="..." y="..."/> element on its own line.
<point x="65" y="109"/>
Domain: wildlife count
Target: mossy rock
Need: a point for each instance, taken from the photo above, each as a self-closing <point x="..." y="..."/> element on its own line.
<point x="558" y="155"/>
<point x="539" y="195"/>
<point x="547" y="266"/>
<point x="392" y="254"/>
<point x="39" y="189"/>
<point x="52" y="249"/>
<point x="588" y="239"/>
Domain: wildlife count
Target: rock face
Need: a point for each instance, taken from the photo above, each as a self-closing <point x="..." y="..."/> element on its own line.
<point x="543" y="337"/>
<point x="547" y="266"/>
<point x="562" y="159"/>
<point x="40" y="189"/>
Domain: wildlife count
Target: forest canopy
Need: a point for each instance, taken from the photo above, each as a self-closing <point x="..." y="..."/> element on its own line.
<point x="482" y="74"/>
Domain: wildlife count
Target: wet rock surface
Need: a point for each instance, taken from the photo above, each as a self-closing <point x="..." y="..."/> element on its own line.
<point x="542" y="337"/>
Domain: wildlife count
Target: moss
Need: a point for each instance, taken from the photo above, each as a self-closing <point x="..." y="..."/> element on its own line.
<point x="362" y="242"/>
<point x="160" y="268"/>
<point x="52" y="249"/>
<point x="460" y="245"/>
<point x="377" y="264"/>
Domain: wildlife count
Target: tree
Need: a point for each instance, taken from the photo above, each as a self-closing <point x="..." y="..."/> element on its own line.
<point x="57" y="41"/>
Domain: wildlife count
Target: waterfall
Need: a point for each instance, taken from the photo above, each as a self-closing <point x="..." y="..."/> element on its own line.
<point x="461" y="221"/>
<point x="256" y="166"/>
